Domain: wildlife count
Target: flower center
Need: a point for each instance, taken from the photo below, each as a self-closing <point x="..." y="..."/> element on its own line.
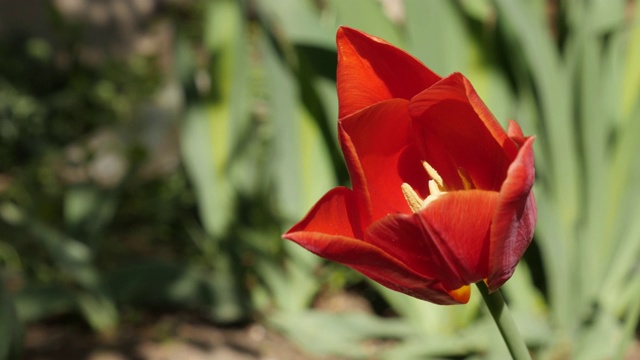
<point x="437" y="188"/>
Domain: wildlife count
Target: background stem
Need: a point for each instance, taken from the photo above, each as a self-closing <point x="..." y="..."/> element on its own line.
<point x="500" y="312"/>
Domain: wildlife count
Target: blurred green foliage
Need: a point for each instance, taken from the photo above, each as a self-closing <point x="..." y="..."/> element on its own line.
<point x="164" y="180"/>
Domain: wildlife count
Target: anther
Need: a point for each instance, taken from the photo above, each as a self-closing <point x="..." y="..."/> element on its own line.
<point x="435" y="176"/>
<point x="466" y="179"/>
<point x="414" y="201"/>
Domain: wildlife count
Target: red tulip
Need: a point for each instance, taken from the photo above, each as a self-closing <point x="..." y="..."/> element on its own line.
<point x="442" y="195"/>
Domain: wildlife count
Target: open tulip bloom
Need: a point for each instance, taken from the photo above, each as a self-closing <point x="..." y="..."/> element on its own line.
<point x="441" y="195"/>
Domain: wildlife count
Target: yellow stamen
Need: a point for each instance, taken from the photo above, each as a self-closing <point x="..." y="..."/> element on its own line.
<point x="435" y="176"/>
<point x="432" y="197"/>
<point x="414" y="201"/>
<point x="466" y="179"/>
<point x="434" y="188"/>
<point x="437" y="188"/>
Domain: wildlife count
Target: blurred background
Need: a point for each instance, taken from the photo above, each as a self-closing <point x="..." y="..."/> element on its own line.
<point x="152" y="152"/>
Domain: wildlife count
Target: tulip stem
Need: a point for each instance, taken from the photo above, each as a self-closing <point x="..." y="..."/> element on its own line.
<point x="500" y="312"/>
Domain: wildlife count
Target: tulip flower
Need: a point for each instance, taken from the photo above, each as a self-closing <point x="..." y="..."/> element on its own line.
<point x="441" y="195"/>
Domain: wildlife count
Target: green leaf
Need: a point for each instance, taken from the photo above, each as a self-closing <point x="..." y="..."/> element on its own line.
<point x="480" y="10"/>
<point x="343" y="334"/>
<point x="98" y="309"/>
<point x="155" y="283"/>
<point x="162" y="284"/>
<point x="215" y="123"/>
<point x="76" y="259"/>
<point x="607" y="15"/>
<point x="559" y="202"/>
<point x="536" y="44"/>
<point x="37" y="302"/>
<point x="430" y="319"/>
<point x="214" y="193"/>
<point x="366" y="15"/>
<point x="437" y="35"/>
<point x="301" y="164"/>
<point x="87" y="210"/>
<point x="297" y="22"/>
<point x="631" y="85"/>
<point x="292" y="286"/>
<point x="625" y="189"/>
<point x="595" y="341"/>
<point x="10" y="328"/>
<point x="631" y="319"/>
<point x="552" y="239"/>
<point x="522" y="294"/>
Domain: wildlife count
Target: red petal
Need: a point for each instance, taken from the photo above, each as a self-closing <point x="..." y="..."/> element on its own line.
<point x="458" y="223"/>
<point x="371" y="70"/>
<point x="456" y="130"/>
<point x="515" y="133"/>
<point x="404" y="237"/>
<point x="515" y="218"/>
<point x="374" y="263"/>
<point x="380" y="156"/>
<point x="335" y="213"/>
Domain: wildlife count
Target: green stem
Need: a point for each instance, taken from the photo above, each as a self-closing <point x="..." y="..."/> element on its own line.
<point x="500" y="312"/>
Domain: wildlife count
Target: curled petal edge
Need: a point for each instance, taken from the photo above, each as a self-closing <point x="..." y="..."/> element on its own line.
<point x="375" y="264"/>
<point x="331" y="230"/>
<point x="515" y="218"/>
